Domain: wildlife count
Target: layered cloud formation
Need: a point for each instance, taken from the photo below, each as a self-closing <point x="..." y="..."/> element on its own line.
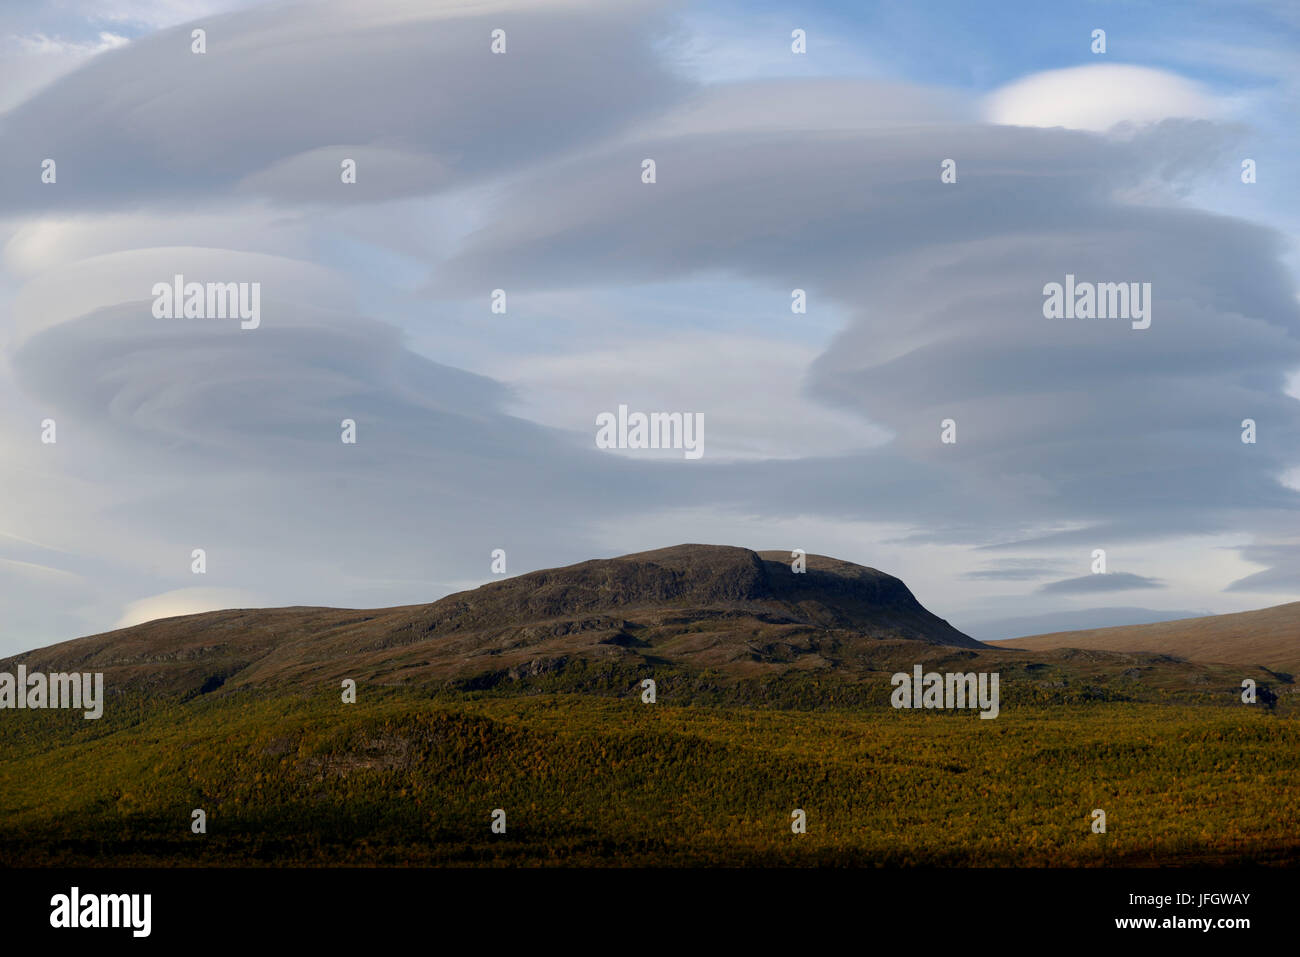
<point x="522" y="172"/>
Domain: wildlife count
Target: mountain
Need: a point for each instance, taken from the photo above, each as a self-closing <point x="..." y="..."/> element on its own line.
<point x="1268" y="637"/>
<point x="695" y="607"/>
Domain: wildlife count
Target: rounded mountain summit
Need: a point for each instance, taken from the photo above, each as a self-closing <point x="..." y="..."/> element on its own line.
<point x="689" y="608"/>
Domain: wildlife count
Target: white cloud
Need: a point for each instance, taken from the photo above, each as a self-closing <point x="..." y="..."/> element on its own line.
<point x="184" y="601"/>
<point x="154" y="13"/>
<point x="1099" y="96"/>
<point x="31" y="61"/>
<point x="41" y="44"/>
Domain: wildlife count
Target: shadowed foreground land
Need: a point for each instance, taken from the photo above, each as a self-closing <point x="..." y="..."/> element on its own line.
<point x="400" y="778"/>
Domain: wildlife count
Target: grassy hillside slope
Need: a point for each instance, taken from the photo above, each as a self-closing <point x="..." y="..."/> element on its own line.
<point x="1268" y="637"/>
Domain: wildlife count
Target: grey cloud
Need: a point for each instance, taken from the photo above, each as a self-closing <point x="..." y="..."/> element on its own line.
<point x="229" y="439"/>
<point x="284" y="93"/>
<point x="1282" y="575"/>
<point x="1015" y="570"/>
<point x="1111" y="581"/>
<point x="1059" y="421"/>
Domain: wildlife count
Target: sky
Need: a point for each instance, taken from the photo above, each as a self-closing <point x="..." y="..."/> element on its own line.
<point x="523" y="171"/>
